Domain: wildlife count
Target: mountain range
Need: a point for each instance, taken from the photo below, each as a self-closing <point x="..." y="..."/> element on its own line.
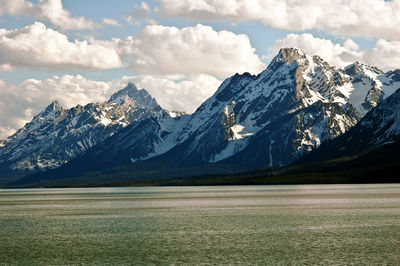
<point x="296" y="105"/>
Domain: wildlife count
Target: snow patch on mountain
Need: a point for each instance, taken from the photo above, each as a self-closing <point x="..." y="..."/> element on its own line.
<point x="239" y="132"/>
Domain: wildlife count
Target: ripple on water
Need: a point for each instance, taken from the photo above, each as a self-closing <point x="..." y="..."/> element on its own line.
<point x="321" y="224"/>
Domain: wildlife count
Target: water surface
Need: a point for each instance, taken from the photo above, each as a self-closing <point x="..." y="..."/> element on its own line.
<point x="310" y="224"/>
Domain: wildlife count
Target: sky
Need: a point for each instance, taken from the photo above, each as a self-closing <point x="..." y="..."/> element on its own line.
<point x="180" y="51"/>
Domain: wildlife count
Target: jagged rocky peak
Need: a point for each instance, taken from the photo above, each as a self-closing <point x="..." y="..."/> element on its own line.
<point x="131" y="95"/>
<point x="53" y="107"/>
<point x="302" y="59"/>
<point x="361" y="85"/>
<point x="357" y="68"/>
<point x="51" y="110"/>
<point x="233" y="86"/>
<point x="394" y="75"/>
<point x="384" y="120"/>
<point x="303" y="66"/>
<point x="290" y="54"/>
<point x="353" y="69"/>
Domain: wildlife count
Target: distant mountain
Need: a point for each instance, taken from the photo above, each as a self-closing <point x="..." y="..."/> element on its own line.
<point x="270" y="120"/>
<point x="56" y="135"/>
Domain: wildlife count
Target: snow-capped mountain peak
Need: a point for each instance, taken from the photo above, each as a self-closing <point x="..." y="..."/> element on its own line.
<point x="361" y="85"/>
<point x="52" y="107"/>
<point x="56" y="135"/>
<point x="357" y="68"/>
<point x="289" y="55"/>
<point x="130" y="95"/>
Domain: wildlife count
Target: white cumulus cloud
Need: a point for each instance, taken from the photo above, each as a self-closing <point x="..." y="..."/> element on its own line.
<point x="111" y="22"/>
<point x="141" y="11"/>
<point x="368" y="18"/>
<point x="156" y="50"/>
<point x="183" y="94"/>
<point x="385" y="55"/>
<point x="6" y="68"/>
<point x="39" y="47"/>
<point x="49" y="10"/>
<point x="165" y="50"/>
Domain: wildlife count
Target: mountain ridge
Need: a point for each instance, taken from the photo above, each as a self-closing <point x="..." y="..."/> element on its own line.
<point x="56" y="135"/>
<point x="272" y="119"/>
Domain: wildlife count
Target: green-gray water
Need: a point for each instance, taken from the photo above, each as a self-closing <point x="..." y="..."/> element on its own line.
<point x="321" y="224"/>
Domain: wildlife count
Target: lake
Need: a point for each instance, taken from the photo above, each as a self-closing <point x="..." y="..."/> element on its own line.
<point x="304" y="224"/>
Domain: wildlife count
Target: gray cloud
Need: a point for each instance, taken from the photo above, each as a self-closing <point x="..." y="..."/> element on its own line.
<point x="367" y="18"/>
<point x="49" y="10"/>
